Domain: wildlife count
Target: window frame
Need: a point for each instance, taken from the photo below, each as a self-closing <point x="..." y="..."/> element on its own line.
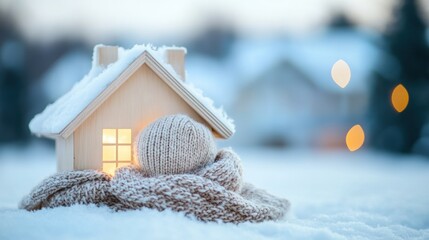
<point x="117" y="162"/>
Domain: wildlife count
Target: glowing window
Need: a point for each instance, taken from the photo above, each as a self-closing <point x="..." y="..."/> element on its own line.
<point x="109" y="153"/>
<point x="116" y="149"/>
<point x="109" y="168"/>
<point x="109" y="136"/>
<point x="124" y="136"/>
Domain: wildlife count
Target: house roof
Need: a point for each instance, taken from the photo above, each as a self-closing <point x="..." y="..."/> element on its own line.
<point x="63" y="116"/>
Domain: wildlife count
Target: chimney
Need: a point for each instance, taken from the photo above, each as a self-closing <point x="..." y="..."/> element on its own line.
<point x="105" y="55"/>
<point x="176" y="58"/>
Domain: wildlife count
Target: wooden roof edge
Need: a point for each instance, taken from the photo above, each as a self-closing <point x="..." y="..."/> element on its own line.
<point x="219" y="126"/>
<point x="188" y="96"/>
<point x="106" y="93"/>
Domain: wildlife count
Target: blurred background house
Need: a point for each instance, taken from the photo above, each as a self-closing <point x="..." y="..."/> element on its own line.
<point x="288" y="98"/>
<point x="269" y="69"/>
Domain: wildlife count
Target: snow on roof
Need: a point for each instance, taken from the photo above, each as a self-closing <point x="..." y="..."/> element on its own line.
<point x="59" y="114"/>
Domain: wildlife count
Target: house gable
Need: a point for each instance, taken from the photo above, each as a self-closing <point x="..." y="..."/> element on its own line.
<point x="140" y="99"/>
<point x="221" y="130"/>
<point x="61" y="118"/>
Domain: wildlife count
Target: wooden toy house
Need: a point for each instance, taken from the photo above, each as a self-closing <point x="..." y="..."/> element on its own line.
<point x="95" y="123"/>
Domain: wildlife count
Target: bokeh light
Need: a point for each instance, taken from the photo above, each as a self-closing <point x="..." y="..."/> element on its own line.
<point x="399" y="98"/>
<point x="355" y="138"/>
<point x="340" y="73"/>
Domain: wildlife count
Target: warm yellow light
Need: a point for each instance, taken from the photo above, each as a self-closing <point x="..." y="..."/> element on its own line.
<point x="116" y="149"/>
<point x="109" y="153"/>
<point x="123" y="164"/>
<point x="109" y="135"/>
<point x="124" y="136"/>
<point x="399" y="98"/>
<point x="340" y="73"/>
<point x="355" y="138"/>
<point x="109" y="168"/>
<point x="124" y="153"/>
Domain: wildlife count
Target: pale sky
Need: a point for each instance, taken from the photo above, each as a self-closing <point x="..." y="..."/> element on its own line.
<point x="98" y="20"/>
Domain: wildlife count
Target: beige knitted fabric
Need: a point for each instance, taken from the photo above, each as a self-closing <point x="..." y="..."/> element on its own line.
<point x="215" y="192"/>
<point x="174" y="144"/>
<point x="181" y="173"/>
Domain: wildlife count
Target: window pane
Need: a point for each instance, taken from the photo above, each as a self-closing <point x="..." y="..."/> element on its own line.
<point x="124" y="136"/>
<point x="109" y="135"/>
<point x="109" y="153"/>
<point x="109" y="168"/>
<point x="124" y="153"/>
<point x="123" y="164"/>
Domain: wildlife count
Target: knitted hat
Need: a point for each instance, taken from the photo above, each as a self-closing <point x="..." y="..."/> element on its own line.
<point x="174" y="144"/>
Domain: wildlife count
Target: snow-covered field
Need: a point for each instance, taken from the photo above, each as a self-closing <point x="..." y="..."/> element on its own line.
<point x="339" y="195"/>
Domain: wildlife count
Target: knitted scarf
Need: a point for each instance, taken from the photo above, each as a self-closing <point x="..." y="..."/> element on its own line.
<point x="215" y="192"/>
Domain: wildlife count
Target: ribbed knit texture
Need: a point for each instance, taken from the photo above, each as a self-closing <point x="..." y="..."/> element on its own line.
<point x="179" y="171"/>
<point x="215" y="192"/>
<point x="174" y="144"/>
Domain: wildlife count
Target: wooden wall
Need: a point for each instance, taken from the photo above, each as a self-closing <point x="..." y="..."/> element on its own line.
<point x="65" y="153"/>
<point x="143" y="98"/>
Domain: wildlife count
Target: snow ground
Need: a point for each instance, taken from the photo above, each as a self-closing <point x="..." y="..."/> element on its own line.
<point x="334" y="195"/>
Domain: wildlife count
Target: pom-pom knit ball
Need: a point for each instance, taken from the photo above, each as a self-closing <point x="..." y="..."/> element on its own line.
<point x="174" y="144"/>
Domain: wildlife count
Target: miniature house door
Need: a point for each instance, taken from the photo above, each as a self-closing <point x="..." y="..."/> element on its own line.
<point x="116" y="148"/>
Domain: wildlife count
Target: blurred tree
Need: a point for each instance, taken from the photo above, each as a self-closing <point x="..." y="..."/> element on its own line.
<point x="13" y="87"/>
<point x="341" y="21"/>
<point x="407" y="62"/>
<point x="22" y="64"/>
<point x="215" y="42"/>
